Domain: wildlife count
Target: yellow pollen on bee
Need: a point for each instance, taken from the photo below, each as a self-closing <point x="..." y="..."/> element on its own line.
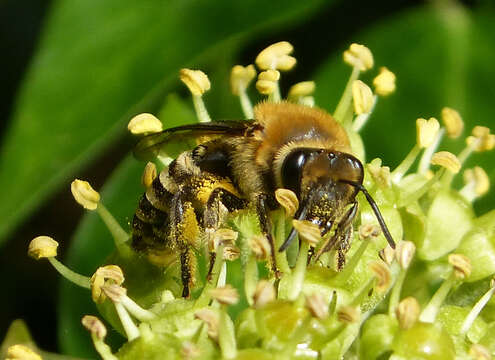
<point x="190" y="227"/>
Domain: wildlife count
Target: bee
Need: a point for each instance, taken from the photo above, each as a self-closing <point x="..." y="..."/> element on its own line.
<point x="239" y="165"/>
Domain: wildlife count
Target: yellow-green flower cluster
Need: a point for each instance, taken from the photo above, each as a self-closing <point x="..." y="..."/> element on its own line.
<point x="412" y="302"/>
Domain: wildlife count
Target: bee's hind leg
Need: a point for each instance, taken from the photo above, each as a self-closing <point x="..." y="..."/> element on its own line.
<point x="219" y="199"/>
<point x="184" y="231"/>
<point x="186" y="259"/>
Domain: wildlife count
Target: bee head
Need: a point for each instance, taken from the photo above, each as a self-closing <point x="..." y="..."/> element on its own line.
<point x="321" y="173"/>
<point x="325" y="182"/>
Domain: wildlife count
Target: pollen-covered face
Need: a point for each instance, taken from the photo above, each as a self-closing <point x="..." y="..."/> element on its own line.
<point x="316" y="172"/>
<point x="325" y="187"/>
<point x="326" y="183"/>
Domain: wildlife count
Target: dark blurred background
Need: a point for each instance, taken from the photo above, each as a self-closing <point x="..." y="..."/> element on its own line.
<point x="30" y="288"/>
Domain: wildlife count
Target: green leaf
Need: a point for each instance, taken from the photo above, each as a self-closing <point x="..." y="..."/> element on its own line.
<point x="99" y="63"/>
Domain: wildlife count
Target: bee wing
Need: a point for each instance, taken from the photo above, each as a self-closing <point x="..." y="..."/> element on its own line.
<point x="181" y="138"/>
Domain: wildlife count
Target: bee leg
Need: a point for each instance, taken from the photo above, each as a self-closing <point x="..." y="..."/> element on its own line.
<point x="266" y="229"/>
<point x="342" y="233"/>
<point x="343" y="247"/>
<point x="186" y="276"/>
<point x="184" y="232"/>
<point x="213" y="217"/>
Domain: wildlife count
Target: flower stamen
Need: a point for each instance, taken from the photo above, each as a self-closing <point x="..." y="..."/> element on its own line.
<point x="198" y="83"/>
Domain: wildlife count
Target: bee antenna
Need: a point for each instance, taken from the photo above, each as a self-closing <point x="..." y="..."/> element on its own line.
<point x="300" y="215"/>
<point x="376" y="210"/>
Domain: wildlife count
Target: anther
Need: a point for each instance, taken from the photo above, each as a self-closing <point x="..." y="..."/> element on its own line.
<point x="276" y="56"/>
<point x="453" y="122"/>
<point x="144" y="124"/>
<point x="447" y="160"/>
<point x="359" y="56"/>
<point x="84" y="194"/>
<point x="384" y="82"/>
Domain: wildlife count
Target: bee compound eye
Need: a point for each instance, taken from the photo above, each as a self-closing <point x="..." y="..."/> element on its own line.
<point x="291" y="170"/>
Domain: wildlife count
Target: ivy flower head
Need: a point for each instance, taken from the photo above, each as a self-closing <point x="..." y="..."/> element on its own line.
<point x="221" y="286"/>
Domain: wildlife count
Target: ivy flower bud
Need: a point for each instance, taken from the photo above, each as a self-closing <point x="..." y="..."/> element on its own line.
<point x="226" y="295"/>
<point x="461" y="264"/>
<point x="259" y="246"/>
<point x="407" y="312"/>
<point x="481" y="139"/>
<point x="42" y="247"/>
<point x="359" y="56"/>
<point x="447" y="160"/>
<point x="349" y="314"/>
<point x="317" y="306"/>
<point x="21" y="352"/>
<point x="196" y="81"/>
<point x="267" y="81"/>
<point x="264" y="294"/>
<point x="241" y="77"/>
<point x="426" y="130"/>
<point x="288" y="200"/>
<point x="106" y="274"/>
<point x="479" y="352"/>
<point x="149" y="174"/>
<point x="362" y="96"/>
<point x="212" y="319"/>
<point x="301" y="89"/>
<point x="144" y="124"/>
<point x="382" y="274"/>
<point x="276" y="56"/>
<point x="453" y="122"/>
<point x="404" y="253"/>
<point x="384" y="82"/>
<point x="84" y="194"/>
<point x="308" y="231"/>
<point x="94" y="326"/>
